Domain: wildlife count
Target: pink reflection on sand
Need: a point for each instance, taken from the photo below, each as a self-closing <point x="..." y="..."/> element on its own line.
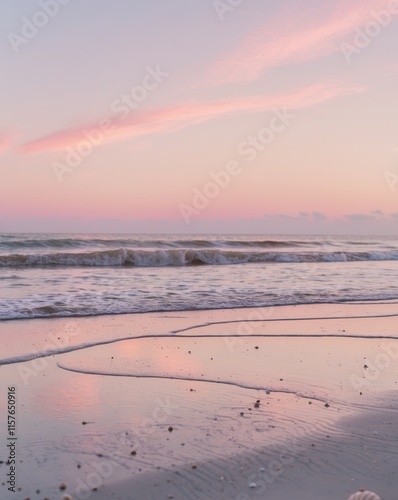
<point x="57" y="397"/>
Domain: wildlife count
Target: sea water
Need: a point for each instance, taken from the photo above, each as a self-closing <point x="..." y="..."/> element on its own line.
<point x="49" y="275"/>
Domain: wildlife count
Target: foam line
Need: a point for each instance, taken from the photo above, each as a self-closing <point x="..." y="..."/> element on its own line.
<point x="29" y="357"/>
<point x="188" y="379"/>
<point x="284" y="319"/>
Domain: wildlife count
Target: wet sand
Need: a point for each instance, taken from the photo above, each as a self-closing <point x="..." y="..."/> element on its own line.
<point x="294" y="401"/>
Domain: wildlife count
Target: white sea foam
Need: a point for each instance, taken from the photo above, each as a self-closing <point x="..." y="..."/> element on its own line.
<point x="183" y="257"/>
<point x="83" y="275"/>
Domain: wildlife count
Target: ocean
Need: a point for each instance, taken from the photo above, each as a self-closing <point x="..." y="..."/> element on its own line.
<point x="66" y="275"/>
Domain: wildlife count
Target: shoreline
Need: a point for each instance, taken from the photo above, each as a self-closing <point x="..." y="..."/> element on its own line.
<point x="227" y="392"/>
<point x="268" y="306"/>
<point x="29" y="339"/>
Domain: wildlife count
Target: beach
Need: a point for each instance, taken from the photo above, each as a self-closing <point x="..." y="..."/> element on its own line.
<point x="273" y="402"/>
<point x="199" y="250"/>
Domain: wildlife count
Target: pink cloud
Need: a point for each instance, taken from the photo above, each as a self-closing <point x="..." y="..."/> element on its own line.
<point x="5" y="141"/>
<point x="295" y="37"/>
<point x="172" y="118"/>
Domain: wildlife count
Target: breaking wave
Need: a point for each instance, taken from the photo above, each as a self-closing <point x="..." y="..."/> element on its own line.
<point x="183" y="257"/>
<point x="12" y="242"/>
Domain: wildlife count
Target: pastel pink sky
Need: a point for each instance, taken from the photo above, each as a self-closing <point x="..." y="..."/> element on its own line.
<point x="171" y="118"/>
<point x="328" y="169"/>
<point x="314" y="35"/>
<point x="5" y="141"/>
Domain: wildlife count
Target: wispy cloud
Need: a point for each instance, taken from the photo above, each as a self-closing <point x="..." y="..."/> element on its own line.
<point x="372" y="216"/>
<point x="319" y="215"/>
<point x="295" y="36"/>
<point x="5" y="141"/>
<point x="360" y="217"/>
<point x="369" y="217"/>
<point x="298" y="217"/>
<point x="172" y="118"/>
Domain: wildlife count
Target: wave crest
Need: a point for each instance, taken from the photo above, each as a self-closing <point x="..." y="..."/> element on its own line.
<point x="183" y="257"/>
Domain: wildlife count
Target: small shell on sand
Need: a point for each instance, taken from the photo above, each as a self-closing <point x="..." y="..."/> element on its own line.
<point x="364" y="495"/>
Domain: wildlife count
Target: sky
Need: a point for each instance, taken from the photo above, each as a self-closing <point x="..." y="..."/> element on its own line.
<point x="187" y="116"/>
